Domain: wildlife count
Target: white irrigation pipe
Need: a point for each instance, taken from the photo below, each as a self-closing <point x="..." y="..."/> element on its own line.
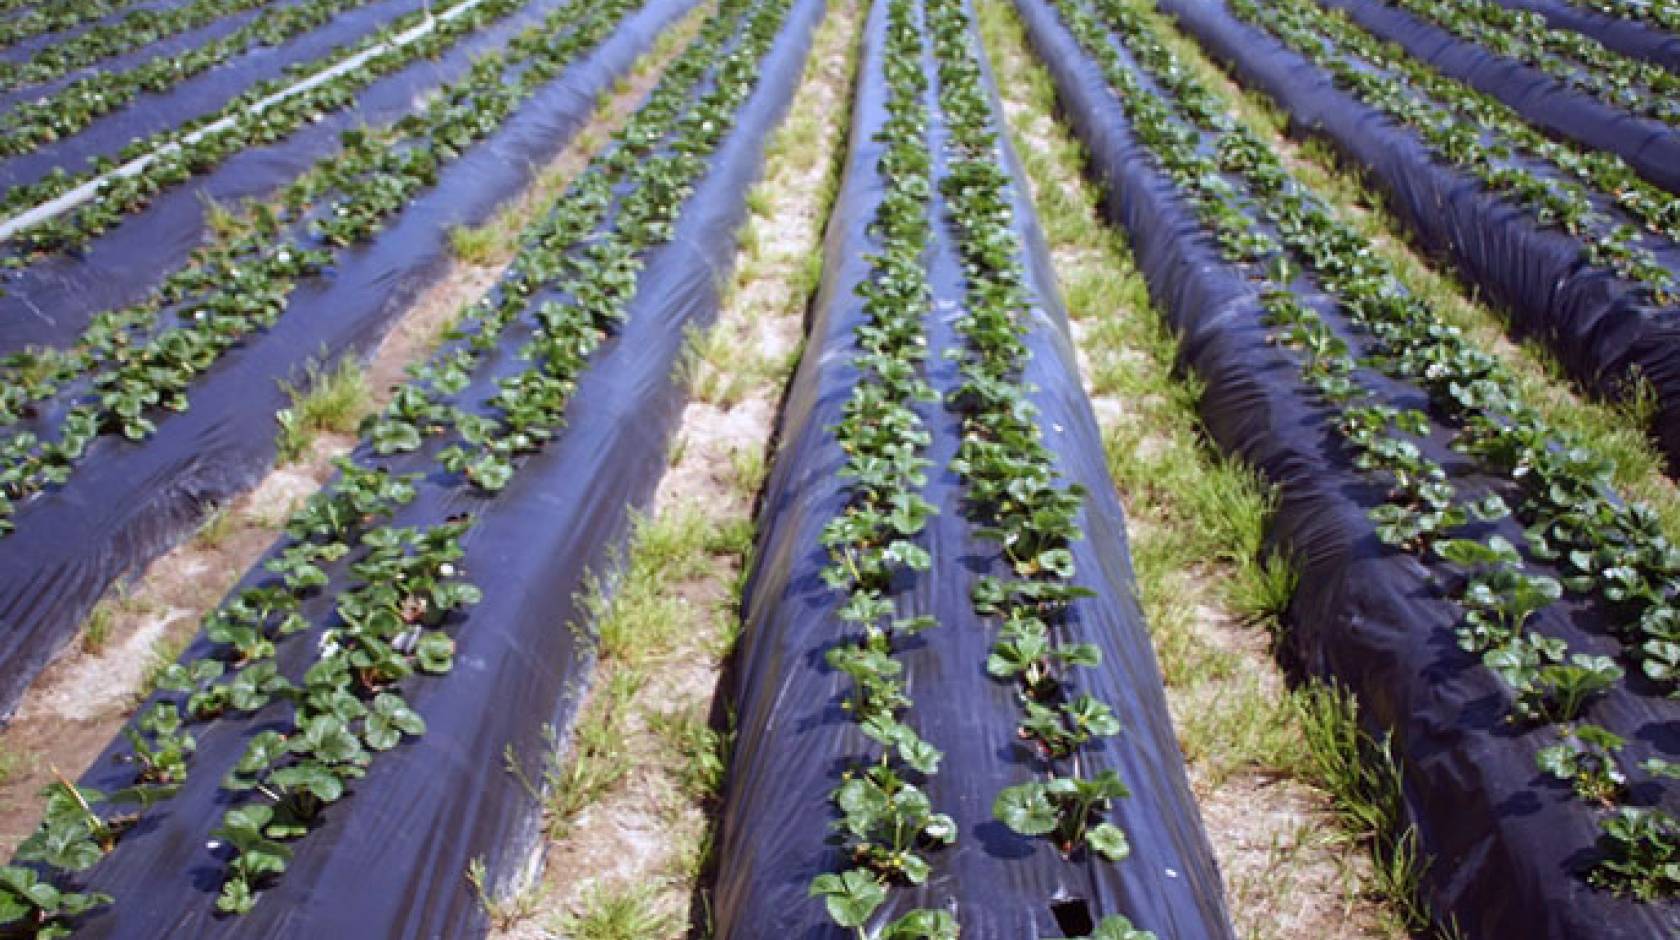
<point x="58" y="205"/>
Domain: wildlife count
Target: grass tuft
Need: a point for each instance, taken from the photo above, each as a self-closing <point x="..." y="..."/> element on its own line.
<point x="698" y="752"/>
<point x="328" y="401"/>
<point x="720" y="367"/>
<point x="620" y="912"/>
<point x="503" y="912"/>
<point x="216" y="529"/>
<point x="1361" y="772"/>
<point x="96" y="632"/>
<point x="477" y="245"/>
<point x="574" y="777"/>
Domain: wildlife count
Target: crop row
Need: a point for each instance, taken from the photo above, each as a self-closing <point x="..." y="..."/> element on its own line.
<point x="1605" y="549"/>
<point x="1456" y="123"/>
<point x="1664" y="13"/>
<point x="179" y="159"/>
<point x="124" y="367"/>
<point x="965" y="722"/>
<point x="404" y="582"/>
<point x="886" y="819"/>
<point x="1013" y="492"/>
<point x="134" y="31"/>
<point x="50" y="18"/>
<point x="1442" y="109"/>
<point x="1636" y="29"/>
<point x="1612" y="334"/>
<point x="29" y="125"/>
<point x="1577" y="61"/>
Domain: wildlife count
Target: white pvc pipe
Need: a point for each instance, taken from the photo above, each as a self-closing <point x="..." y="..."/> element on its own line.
<point x="70" y="199"/>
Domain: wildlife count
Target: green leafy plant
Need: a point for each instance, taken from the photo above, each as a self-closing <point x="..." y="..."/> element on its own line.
<point x="1586" y="760"/>
<point x="885" y="820"/>
<point x="1116" y="927"/>
<point x="1064" y="808"/>
<point x="256" y="856"/>
<point x="1560" y="489"/>
<point x="1500" y="597"/>
<point x="1643" y="848"/>
<point x="398" y="592"/>
<point x="851" y="896"/>
<point x="38" y="908"/>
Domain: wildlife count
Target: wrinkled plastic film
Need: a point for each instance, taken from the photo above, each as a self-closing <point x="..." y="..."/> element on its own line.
<point x="1597" y="325"/>
<point x="1650" y="147"/>
<point x="52" y="300"/>
<point x="1506" y="847"/>
<point x="1641" y="40"/>
<point x="128" y="502"/>
<point x="390" y="859"/>
<point x="793" y="740"/>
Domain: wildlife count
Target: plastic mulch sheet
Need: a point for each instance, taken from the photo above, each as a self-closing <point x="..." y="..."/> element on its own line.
<point x="793" y="739"/>
<point x="1507" y="847"/>
<point x="1593" y="322"/>
<point x="127" y="502"/>
<point x="1641" y="40"/>
<point x="52" y="300"/>
<point x="1650" y="147"/>
<point x="390" y="859"/>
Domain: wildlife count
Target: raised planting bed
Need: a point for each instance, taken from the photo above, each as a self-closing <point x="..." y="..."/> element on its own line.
<point x="56" y="142"/>
<point x="330" y="755"/>
<point x="166" y="408"/>
<point x="949" y="712"/>
<point x="1561" y="81"/>
<point x="145" y="26"/>
<point x="54" y="17"/>
<point x="1527" y="695"/>
<point x="1592" y="279"/>
<point x="1643" y="29"/>
<point x="115" y="249"/>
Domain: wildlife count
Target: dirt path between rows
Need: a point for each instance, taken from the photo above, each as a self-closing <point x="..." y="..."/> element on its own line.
<point x="633" y="860"/>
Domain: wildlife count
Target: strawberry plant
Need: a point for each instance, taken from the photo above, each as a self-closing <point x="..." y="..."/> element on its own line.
<point x="199" y="145"/>
<point x="1116" y="927"/>
<point x="398" y="592"/>
<point x="38" y="908"/>
<point x="1057" y="731"/>
<point x="256" y="856"/>
<point x="1500" y="597"/>
<point x="1015" y="497"/>
<point x="852" y="896"/>
<point x="1664" y="13"/>
<point x="1064" y="808"/>
<point x="1586" y="760"/>
<point x="1643" y="849"/>
<point x="886" y="821"/>
<point x="134" y="31"/>
<point x="1550" y="686"/>
<point x="161" y="747"/>
<point x="34" y="123"/>
<point x="44" y="18"/>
